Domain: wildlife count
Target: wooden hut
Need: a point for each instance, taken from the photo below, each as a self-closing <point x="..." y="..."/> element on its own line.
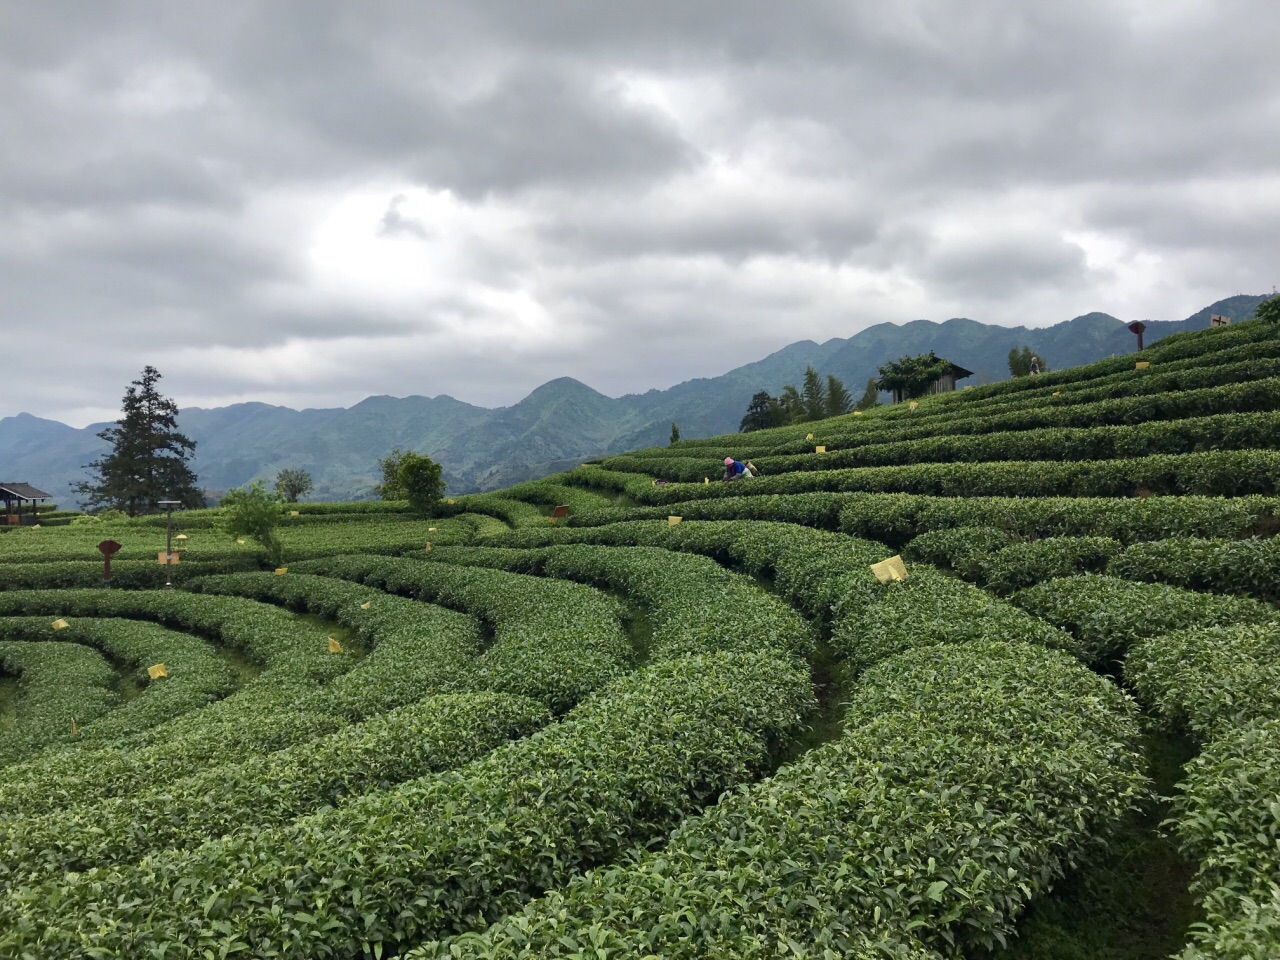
<point x="14" y="496"/>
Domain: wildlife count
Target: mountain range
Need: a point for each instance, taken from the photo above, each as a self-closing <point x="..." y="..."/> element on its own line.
<point x="561" y="422"/>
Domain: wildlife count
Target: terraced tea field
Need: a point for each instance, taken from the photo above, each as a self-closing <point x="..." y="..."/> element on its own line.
<point x="688" y="720"/>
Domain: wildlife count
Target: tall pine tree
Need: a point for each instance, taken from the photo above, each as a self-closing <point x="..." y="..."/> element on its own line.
<point x="870" y="396"/>
<point x="838" y="398"/>
<point x="760" y="414"/>
<point x="815" y="395"/>
<point x="148" y="458"/>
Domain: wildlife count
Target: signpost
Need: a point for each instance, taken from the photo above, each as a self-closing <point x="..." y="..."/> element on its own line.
<point x="167" y="557"/>
<point x="107" y="548"/>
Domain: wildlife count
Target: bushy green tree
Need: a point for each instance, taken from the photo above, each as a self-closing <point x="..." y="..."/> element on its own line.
<point x="292" y="483"/>
<point x="420" y="478"/>
<point x="790" y="405"/>
<point x="411" y="476"/>
<point x="148" y="458"/>
<point x="839" y="400"/>
<point x="762" y="413"/>
<point x="910" y="377"/>
<point x="675" y="433"/>
<point x="254" y="512"/>
<point x="1268" y="310"/>
<point x="870" y="396"/>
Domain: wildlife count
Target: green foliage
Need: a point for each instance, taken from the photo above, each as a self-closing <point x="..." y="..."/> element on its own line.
<point x="1268" y="310"/>
<point x="411" y="476"/>
<point x="254" y="512"/>
<point x="292" y="483"/>
<point x="675" y="433"/>
<point x="1020" y="362"/>
<point x="148" y="458"/>
<point x="839" y="402"/>
<point x="762" y="413"/>
<point x="910" y="377"/>
<point x="870" y="396"/>
<point x="814" y="394"/>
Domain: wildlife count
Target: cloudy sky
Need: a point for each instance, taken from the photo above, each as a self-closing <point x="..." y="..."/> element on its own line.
<point x="306" y="203"/>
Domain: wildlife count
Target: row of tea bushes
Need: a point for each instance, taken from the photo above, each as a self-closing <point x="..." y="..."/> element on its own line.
<point x="1107" y="615"/>
<point x="196" y="677"/>
<point x="970" y="778"/>
<point x="1223" y="683"/>
<point x="694" y="604"/>
<point x="446" y="853"/>
<point x="555" y="642"/>
<point x="435" y="734"/>
<point x="413" y="646"/>
<point x="58" y="683"/>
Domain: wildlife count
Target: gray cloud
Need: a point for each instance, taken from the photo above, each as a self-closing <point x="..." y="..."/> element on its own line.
<point x="311" y="203"/>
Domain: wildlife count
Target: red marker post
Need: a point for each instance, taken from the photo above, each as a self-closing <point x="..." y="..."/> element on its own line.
<point x="107" y="548"/>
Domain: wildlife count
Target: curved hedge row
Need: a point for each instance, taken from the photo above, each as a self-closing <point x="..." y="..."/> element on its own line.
<point x="439" y="733"/>
<point x="1226" y="473"/>
<point x="927" y="819"/>
<point x="695" y="605"/>
<point x="58" y="683"/>
<point x="197" y="676"/>
<point x="555" y="642"/>
<point x="1235" y="431"/>
<point x="414" y="647"/>
<point x="1107" y="615"/>
<point x="446" y="853"/>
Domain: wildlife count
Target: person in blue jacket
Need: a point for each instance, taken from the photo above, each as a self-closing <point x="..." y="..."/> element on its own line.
<point x="735" y="469"/>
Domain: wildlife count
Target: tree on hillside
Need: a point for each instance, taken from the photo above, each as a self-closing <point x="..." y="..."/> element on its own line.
<point x="790" y="406"/>
<point x="675" y="433"/>
<point x="762" y="413"/>
<point x="910" y="377"/>
<point x="870" y="396"/>
<point x="292" y="483"/>
<point x="815" y="395"/>
<point x="411" y="476"/>
<point x="1020" y="362"/>
<point x="1268" y="310"/>
<point x="255" y="512"/>
<point x="839" y="399"/>
<point x="148" y="458"/>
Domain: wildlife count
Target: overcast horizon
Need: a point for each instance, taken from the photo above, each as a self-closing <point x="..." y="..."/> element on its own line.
<point x="308" y="204"/>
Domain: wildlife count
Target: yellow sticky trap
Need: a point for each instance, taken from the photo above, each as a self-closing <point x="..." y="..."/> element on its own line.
<point x="293" y="513"/>
<point x="334" y="646"/>
<point x="672" y="521"/>
<point x="970" y="387"/>
<point x="60" y="624"/>
<point x="809" y="436"/>
<point x="75" y="731"/>
<point x="241" y="542"/>
<point x="1142" y="365"/>
<point x="1057" y="393"/>
<point x="857" y="413"/>
<point x="366" y="605"/>
<point x="819" y="449"/>
<point x="157" y="670"/>
<point x="912" y="405"/>
<point x="181" y="536"/>
<point x="281" y="571"/>
<point x="431" y="529"/>
<point x="887" y="571"/>
<point x="451" y="502"/>
<point x="706" y="479"/>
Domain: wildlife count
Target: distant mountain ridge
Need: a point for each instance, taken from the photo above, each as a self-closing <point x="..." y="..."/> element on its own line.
<point x="559" y="423"/>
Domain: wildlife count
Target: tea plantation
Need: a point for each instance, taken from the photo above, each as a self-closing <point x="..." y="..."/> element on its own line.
<point x="688" y="720"/>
